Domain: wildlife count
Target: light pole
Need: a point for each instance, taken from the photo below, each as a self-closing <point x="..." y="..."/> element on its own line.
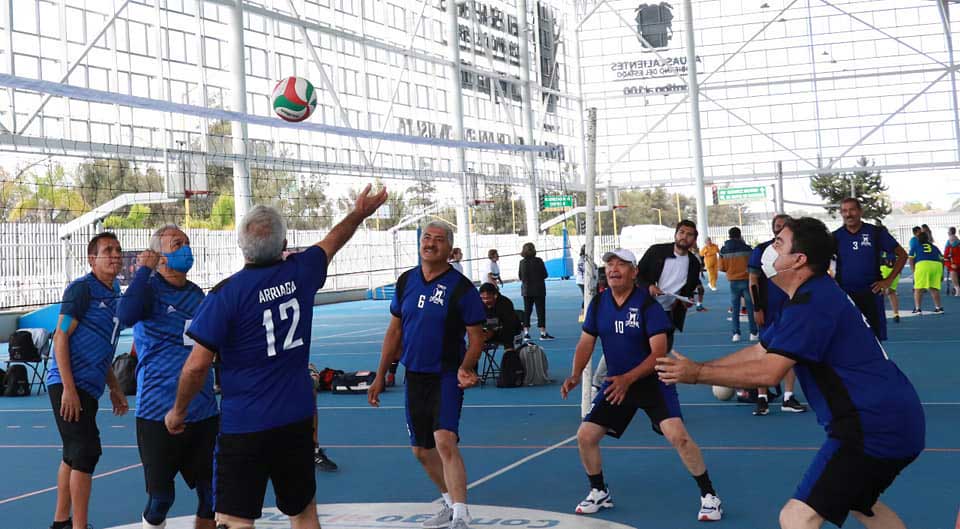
<point x="659" y="216"/>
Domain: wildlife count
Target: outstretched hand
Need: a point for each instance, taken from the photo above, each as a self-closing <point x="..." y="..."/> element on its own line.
<point x="677" y="369"/>
<point x="367" y="204"/>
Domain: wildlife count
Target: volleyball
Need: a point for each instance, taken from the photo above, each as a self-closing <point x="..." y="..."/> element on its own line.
<point x="722" y="393"/>
<point x="294" y="99"/>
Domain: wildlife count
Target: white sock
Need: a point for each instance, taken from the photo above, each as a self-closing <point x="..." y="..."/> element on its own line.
<point x="787" y="395"/>
<point x="762" y="396"/>
<point x="148" y="525"/>
<point x="447" y="499"/>
<point x="460" y="511"/>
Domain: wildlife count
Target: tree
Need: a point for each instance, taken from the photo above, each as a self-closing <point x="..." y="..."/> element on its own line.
<point x="422" y="195"/>
<point x="725" y="215"/>
<point x="51" y="197"/>
<point x="911" y="208"/>
<point x="137" y="217"/>
<point x="102" y="180"/>
<point x="865" y="181"/>
<point x="499" y="216"/>
<point x="389" y="215"/>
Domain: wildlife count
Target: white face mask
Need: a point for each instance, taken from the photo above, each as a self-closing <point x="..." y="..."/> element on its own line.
<point x="767" y="261"/>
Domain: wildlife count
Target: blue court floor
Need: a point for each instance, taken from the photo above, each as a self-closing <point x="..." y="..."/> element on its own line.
<point x="519" y="443"/>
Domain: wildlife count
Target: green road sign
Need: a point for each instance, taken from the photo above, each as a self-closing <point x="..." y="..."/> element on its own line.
<point x="739" y="195"/>
<point x="558" y="201"/>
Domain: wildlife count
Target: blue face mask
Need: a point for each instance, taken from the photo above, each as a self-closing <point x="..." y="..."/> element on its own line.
<point x="180" y="260"/>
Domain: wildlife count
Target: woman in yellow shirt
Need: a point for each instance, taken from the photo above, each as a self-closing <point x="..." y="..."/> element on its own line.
<point x="709" y="254"/>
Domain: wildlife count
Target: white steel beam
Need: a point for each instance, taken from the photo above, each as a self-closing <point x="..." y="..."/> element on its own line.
<point x="944" y="10"/>
<point x="73" y="66"/>
<point x="11" y="69"/>
<point x="344" y="117"/>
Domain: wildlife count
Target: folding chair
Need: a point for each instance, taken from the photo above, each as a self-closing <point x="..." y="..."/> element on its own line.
<point x="31" y="347"/>
<point x="488" y="361"/>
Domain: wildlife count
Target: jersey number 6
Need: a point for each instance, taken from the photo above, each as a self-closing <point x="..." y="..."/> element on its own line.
<point x="289" y="342"/>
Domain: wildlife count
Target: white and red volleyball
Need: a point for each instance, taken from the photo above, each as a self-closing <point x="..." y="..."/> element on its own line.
<point x="294" y="99"/>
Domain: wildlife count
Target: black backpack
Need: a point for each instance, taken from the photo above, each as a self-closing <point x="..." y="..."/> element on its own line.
<point x="23" y="348"/>
<point x="511" y="370"/>
<point x="352" y="383"/>
<point x="15" y="382"/>
<point x="125" y="368"/>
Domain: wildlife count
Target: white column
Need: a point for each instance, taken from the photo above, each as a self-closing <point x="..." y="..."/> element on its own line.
<point x="456" y="97"/>
<point x="530" y="201"/>
<point x="241" y="168"/>
<point x="586" y="383"/>
<point x="695" y="139"/>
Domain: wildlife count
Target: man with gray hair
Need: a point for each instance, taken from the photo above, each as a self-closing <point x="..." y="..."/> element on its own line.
<point x="159" y="304"/>
<point x="258" y="322"/>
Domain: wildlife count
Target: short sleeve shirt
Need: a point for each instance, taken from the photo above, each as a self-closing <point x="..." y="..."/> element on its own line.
<point x="625" y="330"/>
<point x="259" y="321"/>
<point x="93" y="343"/>
<point x="858" y="394"/>
<point x="858" y="255"/>
<point x="434" y="316"/>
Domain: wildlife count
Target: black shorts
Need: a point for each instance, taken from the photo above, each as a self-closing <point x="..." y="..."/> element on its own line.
<point x="658" y="400"/>
<point x="842" y="478"/>
<point x="244" y="462"/>
<point x="433" y="402"/>
<point x="81" y="439"/>
<point x="164" y="455"/>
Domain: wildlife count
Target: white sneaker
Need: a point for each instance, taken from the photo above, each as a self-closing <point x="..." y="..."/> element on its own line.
<point x="596" y="500"/>
<point x="459" y="523"/>
<point x="710" y="510"/>
<point x="713" y="289"/>
<point x="736" y="338"/>
<point x="440" y="520"/>
<point x="754" y="337"/>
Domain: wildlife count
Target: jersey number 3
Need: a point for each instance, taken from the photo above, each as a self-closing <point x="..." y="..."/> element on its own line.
<point x="289" y="342"/>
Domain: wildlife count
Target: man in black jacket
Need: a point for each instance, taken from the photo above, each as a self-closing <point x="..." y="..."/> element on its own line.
<point x="503" y="324"/>
<point x="672" y="274"/>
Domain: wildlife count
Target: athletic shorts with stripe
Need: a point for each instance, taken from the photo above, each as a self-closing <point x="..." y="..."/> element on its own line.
<point x="433" y="402"/>
<point x="842" y="478"/>
<point x="658" y="400"/>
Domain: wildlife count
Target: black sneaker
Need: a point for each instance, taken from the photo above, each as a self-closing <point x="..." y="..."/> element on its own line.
<point x="938" y="310"/>
<point x="916" y="311"/>
<point x="547" y="336"/>
<point x="896" y="318"/>
<point x="526" y="336"/>
<point x="323" y="462"/>
<point x="793" y="405"/>
<point x="762" y="408"/>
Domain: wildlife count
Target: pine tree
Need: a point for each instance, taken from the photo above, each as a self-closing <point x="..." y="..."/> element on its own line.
<point x="866" y="184"/>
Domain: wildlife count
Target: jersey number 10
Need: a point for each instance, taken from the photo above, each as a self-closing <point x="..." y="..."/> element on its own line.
<point x="289" y="342"/>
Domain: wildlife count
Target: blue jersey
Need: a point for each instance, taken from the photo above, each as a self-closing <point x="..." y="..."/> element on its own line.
<point x="625" y="331"/>
<point x="92" y="345"/>
<point x="858" y="255"/>
<point x="434" y="316"/>
<point x="160" y="314"/>
<point x="770" y="294"/>
<point x="926" y="252"/>
<point x="258" y="321"/>
<point x="859" y="395"/>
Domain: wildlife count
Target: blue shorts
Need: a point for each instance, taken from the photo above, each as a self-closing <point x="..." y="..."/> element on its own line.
<point x="842" y="478"/>
<point x="433" y="402"/>
<point x="658" y="400"/>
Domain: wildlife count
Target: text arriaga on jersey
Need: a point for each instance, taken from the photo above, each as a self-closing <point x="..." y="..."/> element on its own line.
<point x="272" y="293"/>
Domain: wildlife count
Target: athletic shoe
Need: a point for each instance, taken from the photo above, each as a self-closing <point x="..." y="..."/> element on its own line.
<point x="391" y="380"/>
<point x="917" y="312"/>
<point x="938" y="310"/>
<point x="754" y="337"/>
<point x="793" y="405"/>
<point x="323" y="462"/>
<point x="459" y="523"/>
<point x="743" y="311"/>
<point x="713" y="289"/>
<point x="710" y="509"/>
<point x="896" y="318"/>
<point x="596" y="500"/>
<point x="701" y="308"/>
<point x="526" y="336"/>
<point x="729" y="310"/>
<point x="736" y="338"/>
<point x="763" y="408"/>
<point x="441" y="519"/>
<point x="547" y="336"/>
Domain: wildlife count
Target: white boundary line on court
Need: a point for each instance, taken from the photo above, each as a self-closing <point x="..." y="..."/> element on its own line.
<point x="494" y="406"/>
<point x="50" y="489"/>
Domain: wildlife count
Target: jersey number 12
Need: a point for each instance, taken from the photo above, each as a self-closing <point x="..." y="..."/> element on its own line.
<point x="289" y="342"/>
